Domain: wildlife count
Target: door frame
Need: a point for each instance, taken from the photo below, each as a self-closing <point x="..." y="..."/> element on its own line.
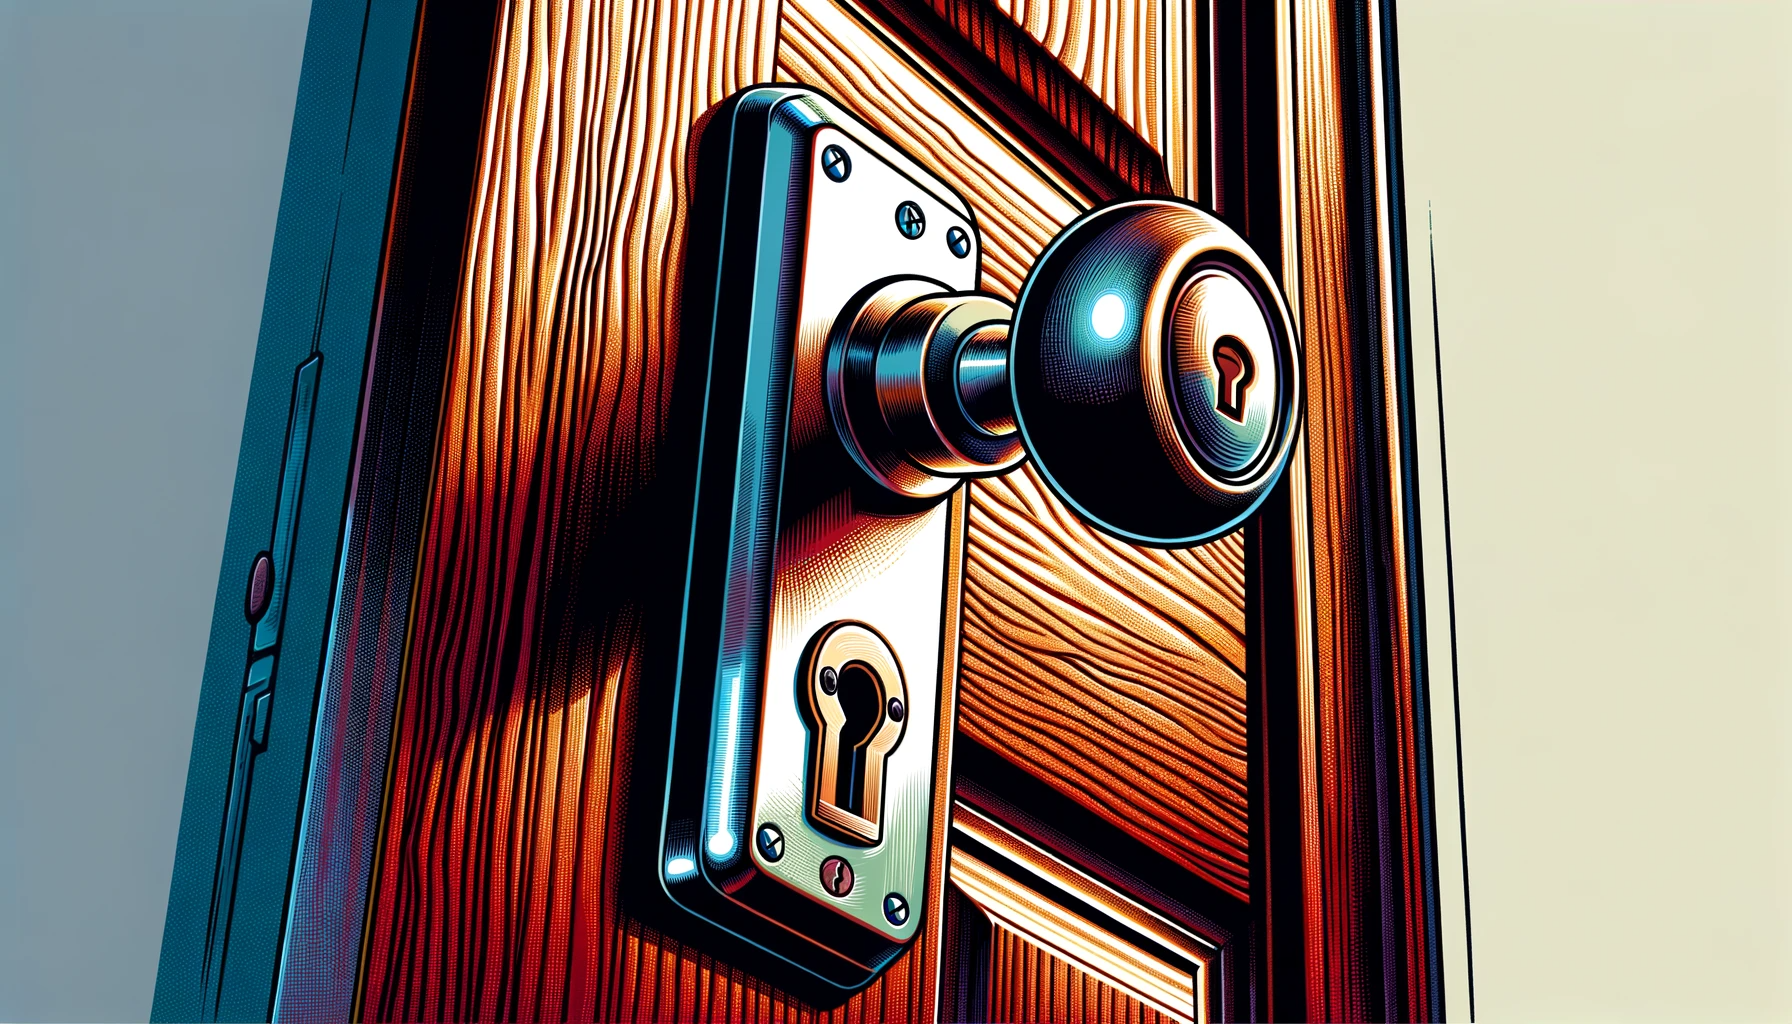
<point x="1349" y="915"/>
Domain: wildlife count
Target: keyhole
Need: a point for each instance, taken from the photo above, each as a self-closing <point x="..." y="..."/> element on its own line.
<point x="857" y="708"/>
<point x="861" y="699"/>
<point x="1232" y="361"/>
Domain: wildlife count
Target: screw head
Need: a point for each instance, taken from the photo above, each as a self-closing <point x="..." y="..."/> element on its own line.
<point x="959" y="241"/>
<point x="836" y="877"/>
<point x="830" y="680"/>
<point x="896" y="709"/>
<point x="910" y="220"/>
<point x="836" y="163"/>
<point x="895" y="909"/>
<point x="771" y="842"/>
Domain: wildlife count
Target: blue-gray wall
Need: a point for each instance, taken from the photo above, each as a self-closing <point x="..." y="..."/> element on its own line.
<point x="141" y="151"/>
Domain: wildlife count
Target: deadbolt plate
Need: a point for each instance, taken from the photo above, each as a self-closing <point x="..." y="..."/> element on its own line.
<point x="790" y="536"/>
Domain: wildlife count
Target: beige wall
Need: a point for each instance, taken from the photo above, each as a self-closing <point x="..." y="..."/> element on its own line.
<point x="1611" y="279"/>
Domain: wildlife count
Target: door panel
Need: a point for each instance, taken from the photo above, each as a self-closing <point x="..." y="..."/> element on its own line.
<point x="1059" y="944"/>
<point x="498" y="890"/>
<point x="1031" y="979"/>
<point x="1184" y="784"/>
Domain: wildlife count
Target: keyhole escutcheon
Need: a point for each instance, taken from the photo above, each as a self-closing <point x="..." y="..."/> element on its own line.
<point x="1232" y="364"/>
<point x="854" y="701"/>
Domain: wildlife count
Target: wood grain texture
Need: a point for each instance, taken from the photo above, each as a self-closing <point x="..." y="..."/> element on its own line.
<point x="654" y="978"/>
<point x="1019" y="204"/>
<point x="1020" y="83"/>
<point x="1113" y="671"/>
<point x="1111" y="45"/>
<point x="1407" y="748"/>
<point x="1045" y="939"/>
<point x="1028" y="983"/>
<point x="1047" y="872"/>
<point x="498" y="881"/>
<point x="1138" y="56"/>
<point x="1337" y="987"/>
<point x="498" y="885"/>
<point x="1369" y="927"/>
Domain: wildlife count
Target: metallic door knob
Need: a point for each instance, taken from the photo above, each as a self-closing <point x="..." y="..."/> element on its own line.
<point x="1151" y="371"/>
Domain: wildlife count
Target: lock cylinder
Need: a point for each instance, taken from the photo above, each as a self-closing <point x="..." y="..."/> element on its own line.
<point x="1150" y="369"/>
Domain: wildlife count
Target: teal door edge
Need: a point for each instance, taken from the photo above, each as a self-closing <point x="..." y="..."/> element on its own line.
<point x="234" y="858"/>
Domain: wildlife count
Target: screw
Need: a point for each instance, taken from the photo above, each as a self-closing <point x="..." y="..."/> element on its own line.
<point x="830" y="680"/>
<point x="895" y="909"/>
<point x="910" y="220"/>
<point x="836" y="877"/>
<point x="836" y="163"/>
<point x="771" y="842"/>
<point x="958" y="241"/>
<point x="896" y="709"/>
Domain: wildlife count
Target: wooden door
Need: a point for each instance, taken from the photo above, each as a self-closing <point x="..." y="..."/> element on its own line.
<point x="1187" y="784"/>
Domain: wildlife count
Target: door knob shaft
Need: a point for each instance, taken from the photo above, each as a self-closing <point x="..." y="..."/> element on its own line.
<point x="1150" y="368"/>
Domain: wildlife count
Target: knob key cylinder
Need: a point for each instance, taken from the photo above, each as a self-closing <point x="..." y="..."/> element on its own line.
<point x="1135" y="333"/>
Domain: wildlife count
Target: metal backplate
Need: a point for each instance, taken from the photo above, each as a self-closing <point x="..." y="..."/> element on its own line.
<point x="790" y="537"/>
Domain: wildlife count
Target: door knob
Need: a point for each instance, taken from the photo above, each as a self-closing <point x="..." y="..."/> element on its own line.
<point x="1149" y="368"/>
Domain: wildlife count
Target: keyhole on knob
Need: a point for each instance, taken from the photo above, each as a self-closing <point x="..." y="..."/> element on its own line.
<point x="1232" y="361"/>
<point x="863" y="703"/>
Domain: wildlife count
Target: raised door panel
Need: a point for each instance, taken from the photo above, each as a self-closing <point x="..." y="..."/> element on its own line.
<point x="1033" y="982"/>
<point x="1036" y="937"/>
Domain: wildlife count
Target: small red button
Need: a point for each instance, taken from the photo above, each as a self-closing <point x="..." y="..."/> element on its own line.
<point x="261" y="586"/>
